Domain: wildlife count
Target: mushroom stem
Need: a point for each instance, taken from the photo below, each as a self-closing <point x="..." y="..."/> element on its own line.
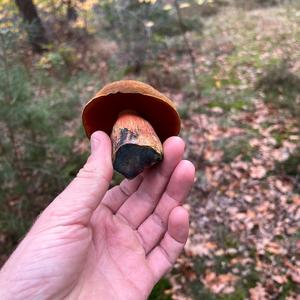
<point x="135" y="145"/>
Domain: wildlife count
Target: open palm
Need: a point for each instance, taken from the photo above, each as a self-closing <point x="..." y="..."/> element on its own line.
<point x="91" y="243"/>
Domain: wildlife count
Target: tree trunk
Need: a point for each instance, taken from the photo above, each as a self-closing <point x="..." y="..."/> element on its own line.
<point x="186" y="42"/>
<point x="71" y="11"/>
<point x="35" y="29"/>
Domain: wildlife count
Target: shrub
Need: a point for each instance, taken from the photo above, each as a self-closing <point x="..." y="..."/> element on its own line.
<point x="140" y="28"/>
<point x="59" y="60"/>
<point x="281" y="87"/>
<point x="33" y="143"/>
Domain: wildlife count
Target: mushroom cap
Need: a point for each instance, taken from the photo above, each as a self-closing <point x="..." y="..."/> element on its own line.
<point x="102" y="111"/>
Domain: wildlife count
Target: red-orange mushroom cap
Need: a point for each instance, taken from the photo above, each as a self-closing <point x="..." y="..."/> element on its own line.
<point x="102" y="111"/>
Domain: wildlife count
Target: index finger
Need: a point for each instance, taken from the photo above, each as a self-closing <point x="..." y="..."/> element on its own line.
<point x="142" y="203"/>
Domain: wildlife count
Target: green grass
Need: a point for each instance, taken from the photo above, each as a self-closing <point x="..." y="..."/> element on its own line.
<point x="237" y="104"/>
<point x="233" y="147"/>
<point x="280" y="86"/>
<point x="197" y="290"/>
<point x="225" y="238"/>
<point x="287" y="288"/>
<point x="183" y="111"/>
<point x="279" y="137"/>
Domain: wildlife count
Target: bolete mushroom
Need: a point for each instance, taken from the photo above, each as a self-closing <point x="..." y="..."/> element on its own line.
<point x="138" y="119"/>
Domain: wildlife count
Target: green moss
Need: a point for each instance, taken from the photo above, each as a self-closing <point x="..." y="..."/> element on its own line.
<point x="199" y="265"/>
<point x="237" y="146"/>
<point x="240" y="293"/>
<point x="198" y="291"/>
<point x="290" y="166"/>
<point x="279" y="137"/>
<point x="221" y="264"/>
<point x="217" y="91"/>
<point x="117" y="179"/>
<point x="158" y="292"/>
<point x="250" y="280"/>
<point x="225" y="238"/>
<point x="183" y="111"/>
<point x="237" y="104"/>
<point x="287" y="288"/>
<point x="281" y="86"/>
<point x="255" y="59"/>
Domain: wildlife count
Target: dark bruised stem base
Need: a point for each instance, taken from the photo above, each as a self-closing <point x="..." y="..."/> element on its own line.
<point x="132" y="159"/>
<point x="135" y="145"/>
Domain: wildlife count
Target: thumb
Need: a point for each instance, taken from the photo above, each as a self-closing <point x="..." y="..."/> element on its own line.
<point x="81" y="197"/>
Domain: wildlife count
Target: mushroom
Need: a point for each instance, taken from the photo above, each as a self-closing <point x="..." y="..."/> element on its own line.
<point x="138" y="119"/>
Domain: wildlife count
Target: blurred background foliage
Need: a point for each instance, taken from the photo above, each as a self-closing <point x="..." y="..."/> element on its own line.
<point x="55" y="54"/>
<point x="44" y="80"/>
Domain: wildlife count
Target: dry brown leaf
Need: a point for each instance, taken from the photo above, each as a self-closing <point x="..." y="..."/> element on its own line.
<point x="248" y="198"/>
<point x="240" y="216"/>
<point x="294" y="137"/>
<point x="210" y="245"/>
<point x="218" y="283"/>
<point x="296" y="199"/>
<point x="258" y="293"/>
<point x="279" y="279"/>
<point x="230" y="193"/>
<point x="275" y="248"/>
<point x="228" y="290"/>
<point x="257" y="172"/>
<point x="213" y="156"/>
<point x="283" y="187"/>
<point x="251" y="214"/>
<point x="240" y="165"/>
<point x="254" y="142"/>
<point x="201" y="249"/>
<point x="264" y="207"/>
<point x="280" y="154"/>
<point x="290" y="146"/>
<point x="295" y="274"/>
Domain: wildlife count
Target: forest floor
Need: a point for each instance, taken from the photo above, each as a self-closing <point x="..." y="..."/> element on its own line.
<point x="240" y="121"/>
<point x="245" y="206"/>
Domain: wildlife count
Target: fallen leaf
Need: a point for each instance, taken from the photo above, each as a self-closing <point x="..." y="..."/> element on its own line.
<point x="248" y="198"/>
<point x="258" y="293"/>
<point x="275" y="248"/>
<point x="283" y="187"/>
<point x="280" y="154"/>
<point x="279" y="279"/>
<point x="296" y="199"/>
<point x="218" y="283"/>
<point x="258" y="172"/>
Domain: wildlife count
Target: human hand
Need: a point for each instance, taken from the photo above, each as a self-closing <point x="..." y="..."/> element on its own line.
<point x="90" y="243"/>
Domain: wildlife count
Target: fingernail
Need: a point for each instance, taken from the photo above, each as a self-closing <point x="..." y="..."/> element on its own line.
<point x="95" y="141"/>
